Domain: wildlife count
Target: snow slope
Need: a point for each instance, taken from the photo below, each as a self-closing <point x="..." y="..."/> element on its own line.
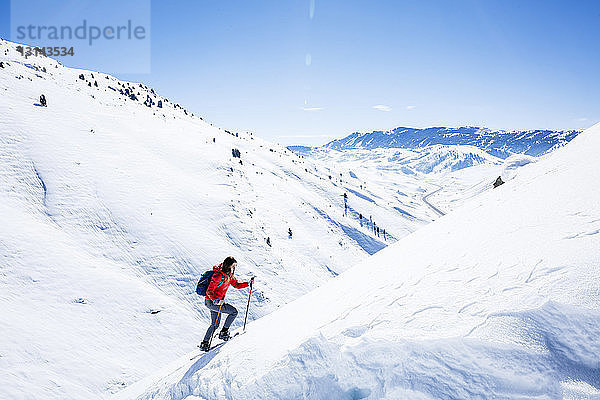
<point x="110" y="209"/>
<point x="498" y="299"/>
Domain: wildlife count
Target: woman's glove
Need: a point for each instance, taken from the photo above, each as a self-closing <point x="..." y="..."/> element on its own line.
<point x="218" y="302"/>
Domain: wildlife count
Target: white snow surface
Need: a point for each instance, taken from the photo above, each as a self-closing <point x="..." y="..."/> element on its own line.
<point x="497" y="299"/>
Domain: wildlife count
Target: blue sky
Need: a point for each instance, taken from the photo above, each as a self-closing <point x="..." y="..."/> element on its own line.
<point x="303" y="72"/>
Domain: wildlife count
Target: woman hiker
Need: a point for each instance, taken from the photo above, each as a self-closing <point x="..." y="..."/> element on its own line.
<point x="219" y="283"/>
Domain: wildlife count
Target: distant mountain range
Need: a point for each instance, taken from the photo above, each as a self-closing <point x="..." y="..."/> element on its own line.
<point x="498" y="143"/>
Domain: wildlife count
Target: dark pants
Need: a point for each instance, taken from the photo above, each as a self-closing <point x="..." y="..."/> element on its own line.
<point x="215" y="317"/>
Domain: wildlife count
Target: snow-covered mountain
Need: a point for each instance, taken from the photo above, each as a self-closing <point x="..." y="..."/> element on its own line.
<point x="495" y="142"/>
<point x="455" y="163"/>
<point x="113" y="201"/>
<point x="498" y="299"/>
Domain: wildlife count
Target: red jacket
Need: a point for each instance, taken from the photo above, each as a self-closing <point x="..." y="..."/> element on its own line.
<point x="219" y="284"/>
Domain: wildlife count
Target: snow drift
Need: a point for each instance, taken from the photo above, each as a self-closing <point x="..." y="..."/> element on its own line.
<point x="499" y="299"/>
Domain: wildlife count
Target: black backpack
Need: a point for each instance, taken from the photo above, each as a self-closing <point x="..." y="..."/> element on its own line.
<point x="204" y="282"/>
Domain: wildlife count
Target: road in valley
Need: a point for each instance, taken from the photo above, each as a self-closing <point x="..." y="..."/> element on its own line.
<point x="434" y="208"/>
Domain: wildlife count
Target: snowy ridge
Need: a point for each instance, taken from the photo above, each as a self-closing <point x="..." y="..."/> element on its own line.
<point x="437" y="159"/>
<point x="497" y="143"/>
<point x="498" y="299"/>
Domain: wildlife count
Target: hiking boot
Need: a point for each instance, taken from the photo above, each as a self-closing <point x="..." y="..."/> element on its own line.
<point x="224" y="334"/>
<point x="204" y="346"/>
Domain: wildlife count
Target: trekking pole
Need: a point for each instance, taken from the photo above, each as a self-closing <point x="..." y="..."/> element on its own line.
<point x="216" y="324"/>
<point x="248" y="305"/>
